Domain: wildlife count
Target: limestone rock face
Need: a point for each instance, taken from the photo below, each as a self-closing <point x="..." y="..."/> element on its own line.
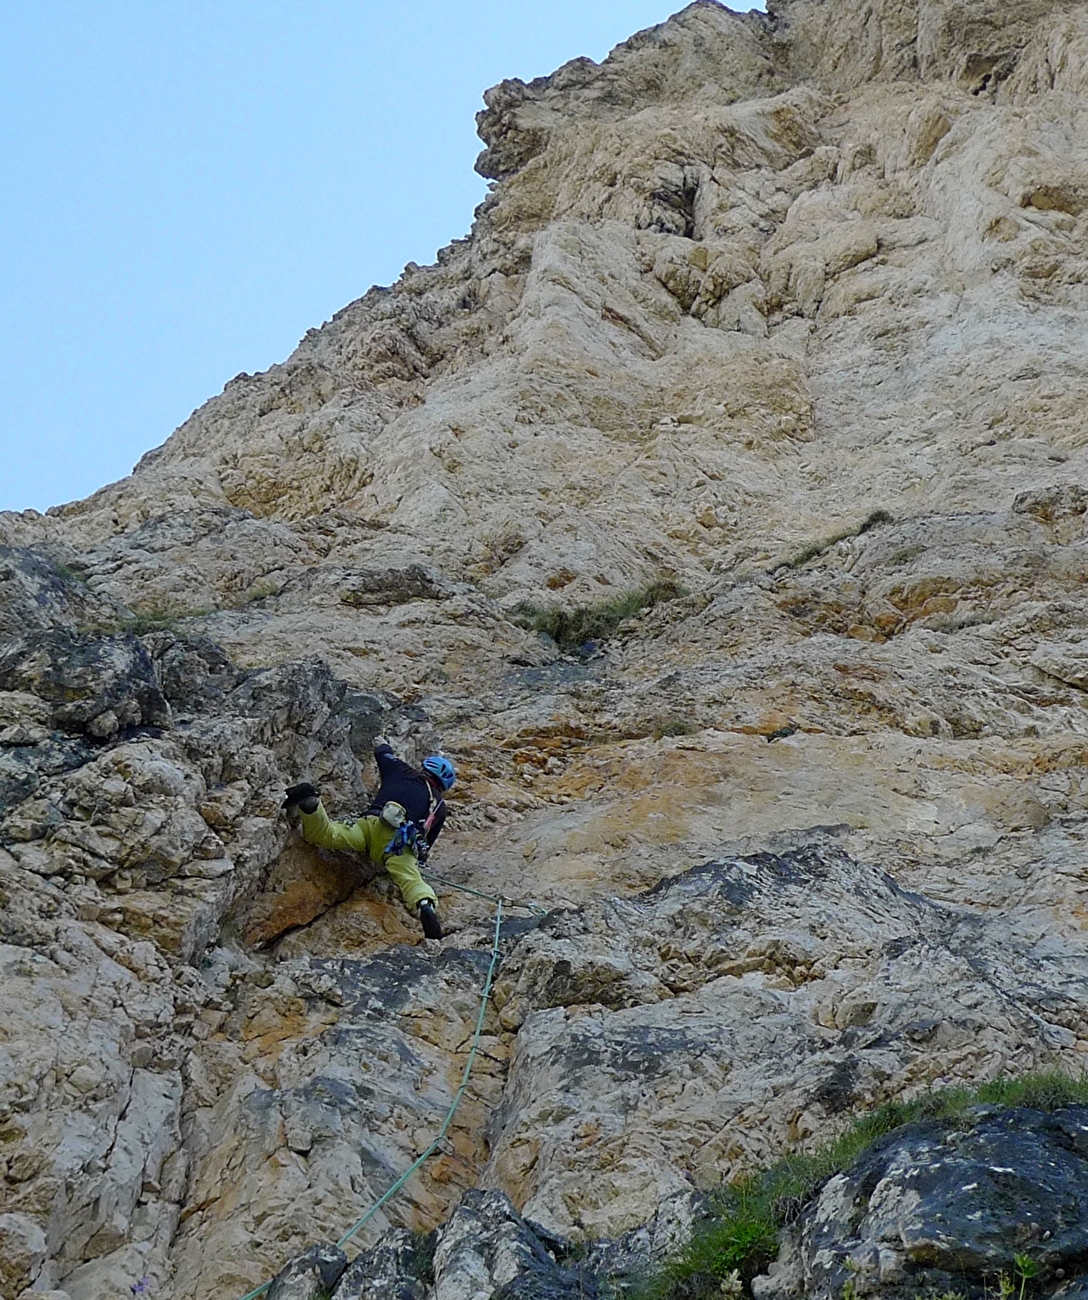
<point x="323" y="1085"/>
<point x="37" y="593"/>
<point x="718" y="504"/>
<point x="695" y="1030"/>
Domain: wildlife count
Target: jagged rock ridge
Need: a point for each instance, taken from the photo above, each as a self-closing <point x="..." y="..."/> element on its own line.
<point x="786" y="310"/>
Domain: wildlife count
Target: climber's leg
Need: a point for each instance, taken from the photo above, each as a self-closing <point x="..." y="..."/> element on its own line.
<point x="404" y="868"/>
<point x="419" y="897"/>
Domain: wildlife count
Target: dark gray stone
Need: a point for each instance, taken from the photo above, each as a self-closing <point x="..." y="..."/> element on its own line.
<point x="296" y="707"/>
<point x="1077" y="1289"/>
<point x="300" y="696"/>
<point x="487" y="1235"/>
<point x="38" y="593"/>
<point x="96" y="685"/>
<point x="22" y="767"/>
<point x="378" y="987"/>
<point x="18" y="776"/>
<point x="194" y="675"/>
<point x="399" y="1267"/>
<point x="365" y="587"/>
<point x="365" y="714"/>
<point x="485" y="1249"/>
<point x="309" y="1276"/>
<point x="946" y="1205"/>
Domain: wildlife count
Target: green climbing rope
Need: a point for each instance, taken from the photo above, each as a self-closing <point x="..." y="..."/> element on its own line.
<point x="361" y="1223"/>
<point x="457" y="1097"/>
<point x="535" y="908"/>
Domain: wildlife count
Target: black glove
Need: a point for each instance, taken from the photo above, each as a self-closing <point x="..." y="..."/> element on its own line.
<point x="304" y="796"/>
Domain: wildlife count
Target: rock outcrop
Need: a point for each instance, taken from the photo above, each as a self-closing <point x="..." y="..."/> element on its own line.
<point x="720" y="505"/>
<point x="946" y="1207"/>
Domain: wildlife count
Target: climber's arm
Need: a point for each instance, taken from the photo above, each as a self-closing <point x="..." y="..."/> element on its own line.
<point x="389" y="765"/>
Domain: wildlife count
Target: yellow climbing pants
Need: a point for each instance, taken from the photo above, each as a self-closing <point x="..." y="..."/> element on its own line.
<point x="370" y="835"/>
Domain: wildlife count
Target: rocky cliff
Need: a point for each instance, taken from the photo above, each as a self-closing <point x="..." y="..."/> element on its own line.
<point x="720" y="505"/>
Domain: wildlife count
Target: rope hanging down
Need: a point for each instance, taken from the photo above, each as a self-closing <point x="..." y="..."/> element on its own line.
<point x="259" y="1291"/>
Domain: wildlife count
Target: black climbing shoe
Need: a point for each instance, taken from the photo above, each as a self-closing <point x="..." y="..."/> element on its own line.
<point x="432" y="926"/>
<point x="304" y="796"/>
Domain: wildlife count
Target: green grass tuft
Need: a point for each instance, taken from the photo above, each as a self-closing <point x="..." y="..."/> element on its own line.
<point x="874" y="520"/>
<point x="421" y="1263"/>
<point x="1046" y="1092"/>
<point x="160" y="618"/>
<point x="571" y="628"/>
<point x="746" y="1217"/>
<point x="674" y="726"/>
<point x="816" y="548"/>
<point x="70" y="573"/>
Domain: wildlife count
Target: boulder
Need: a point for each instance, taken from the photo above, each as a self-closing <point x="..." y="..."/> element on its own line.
<point x="97" y="686"/>
<point x="485" y="1249"/>
<point x="310" y="1276"/>
<point x="939" y="1206"/>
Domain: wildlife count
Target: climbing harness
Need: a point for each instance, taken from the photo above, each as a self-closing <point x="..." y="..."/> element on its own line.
<point x="361" y="1223"/>
<point x="407" y="838"/>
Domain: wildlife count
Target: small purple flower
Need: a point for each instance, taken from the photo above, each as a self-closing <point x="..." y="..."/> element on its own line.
<point x="142" y="1287"/>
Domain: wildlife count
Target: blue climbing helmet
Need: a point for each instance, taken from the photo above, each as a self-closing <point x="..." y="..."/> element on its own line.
<point x="441" y="769"/>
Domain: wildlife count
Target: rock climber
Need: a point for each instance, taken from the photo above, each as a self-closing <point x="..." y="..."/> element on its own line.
<point x="396" y="832"/>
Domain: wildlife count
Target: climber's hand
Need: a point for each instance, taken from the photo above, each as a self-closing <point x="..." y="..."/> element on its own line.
<point x="303" y="795"/>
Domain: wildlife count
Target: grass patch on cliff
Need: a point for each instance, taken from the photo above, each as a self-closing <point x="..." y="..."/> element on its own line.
<point x="740" y="1234"/>
<point x="674" y="726"/>
<point x="572" y="628"/>
<point x="816" y="548"/>
<point x="155" y="618"/>
<point x="142" y="620"/>
<point x="70" y="573"/>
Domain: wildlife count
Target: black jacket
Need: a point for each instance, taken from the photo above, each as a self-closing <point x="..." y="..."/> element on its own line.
<point x="402" y="784"/>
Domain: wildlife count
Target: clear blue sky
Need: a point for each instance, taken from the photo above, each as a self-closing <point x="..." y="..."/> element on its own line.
<point x="190" y="185"/>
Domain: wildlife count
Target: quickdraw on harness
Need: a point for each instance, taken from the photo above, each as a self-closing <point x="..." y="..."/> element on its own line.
<point x="407" y="837"/>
